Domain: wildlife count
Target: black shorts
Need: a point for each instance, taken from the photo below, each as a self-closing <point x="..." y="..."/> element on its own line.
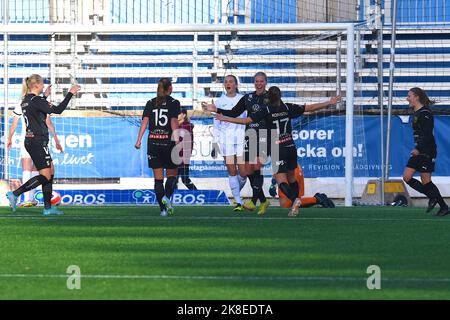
<point x="160" y="156"/>
<point x="287" y="160"/>
<point x="422" y="163"/>
<point x="39" y="152"/>
<point x="256" y="148"/>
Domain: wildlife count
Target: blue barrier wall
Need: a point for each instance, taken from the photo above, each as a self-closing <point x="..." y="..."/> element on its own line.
<point x="104" y="148"/>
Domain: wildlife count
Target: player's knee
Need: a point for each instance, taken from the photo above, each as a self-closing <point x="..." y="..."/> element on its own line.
<point x="232" y="170"/>
<point x="43" y="180"/>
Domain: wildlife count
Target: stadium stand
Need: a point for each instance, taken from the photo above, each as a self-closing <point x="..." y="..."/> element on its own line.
<point x="135" y="63"/>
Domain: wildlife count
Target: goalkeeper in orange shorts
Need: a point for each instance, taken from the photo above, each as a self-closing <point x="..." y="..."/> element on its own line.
<point x="285" y="202"/>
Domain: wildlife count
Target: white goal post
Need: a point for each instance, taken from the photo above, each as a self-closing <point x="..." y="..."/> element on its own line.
<point x="348" y="28"/>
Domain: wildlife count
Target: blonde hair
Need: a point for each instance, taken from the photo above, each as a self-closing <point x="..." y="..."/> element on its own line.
<point x="30" y="81"/>
<point x="261" y="74"/>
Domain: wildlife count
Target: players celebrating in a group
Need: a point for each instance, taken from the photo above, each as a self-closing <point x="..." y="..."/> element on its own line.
<point x="35" y="109"/>
<point x="230" y="138"/>
<point x="161" y="115"/>
<point x="255" y="154"/>
<point x="283" y="151"/>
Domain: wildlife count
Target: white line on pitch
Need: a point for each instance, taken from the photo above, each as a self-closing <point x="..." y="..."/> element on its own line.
<point x="227" y="278"/>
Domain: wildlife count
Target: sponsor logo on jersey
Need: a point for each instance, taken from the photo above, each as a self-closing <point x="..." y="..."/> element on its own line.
<point x="256" y="107"/>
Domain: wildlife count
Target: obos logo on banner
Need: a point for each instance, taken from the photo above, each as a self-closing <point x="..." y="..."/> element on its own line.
<point x="137" y="197"/>
<point x="184" y="197"/>
<point x="76" y="197"/>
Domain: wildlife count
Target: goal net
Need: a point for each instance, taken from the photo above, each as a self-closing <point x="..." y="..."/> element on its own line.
<point x="118" y="71"/>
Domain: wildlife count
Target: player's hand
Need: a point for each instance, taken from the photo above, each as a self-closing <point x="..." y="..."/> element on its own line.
<point x="220" y="117"/>
<point x="273" y="188"/>
<point x="58" y="146"/>
<point x="209" y="107"/>
<point x="138" y="145"/>
<point x="414" y="152"/>
<point x="9" y="144"/>
<point x="335" y="100"/>
<point x="48" y="91"/>
<point x="74" y="88"/>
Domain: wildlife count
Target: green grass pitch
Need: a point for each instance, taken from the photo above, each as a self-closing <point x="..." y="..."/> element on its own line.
<point x="214" y="253"/>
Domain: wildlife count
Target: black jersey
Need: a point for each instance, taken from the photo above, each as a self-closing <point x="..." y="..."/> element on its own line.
<point x="279" y="120"/>
<point x="35" y="109"/>
<point x="254" y="105"/>
<point x="160" y="129"/>
<point x="423" y="131"/>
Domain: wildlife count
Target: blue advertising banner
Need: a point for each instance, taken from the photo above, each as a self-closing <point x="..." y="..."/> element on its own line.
<point x="103" y="147"/>
<point x="137" y="197"/>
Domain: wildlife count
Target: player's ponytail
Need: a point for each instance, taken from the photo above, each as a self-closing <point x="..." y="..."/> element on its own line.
<point x="423" y="97"/>
<point x="24" y="87"/>
<point x="162" y="92"/>
<point x="274" y="94"/>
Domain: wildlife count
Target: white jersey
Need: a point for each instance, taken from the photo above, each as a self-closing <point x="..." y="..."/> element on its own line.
<point x="226" y="133"/>
<point x="18" y="113"/>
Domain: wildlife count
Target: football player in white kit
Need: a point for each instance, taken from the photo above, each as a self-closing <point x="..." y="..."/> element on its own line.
<point x="230" y="138"/>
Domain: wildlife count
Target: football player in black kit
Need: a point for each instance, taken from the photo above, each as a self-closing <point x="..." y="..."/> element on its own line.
<point x="424" y="154"/>
<point x="278" y="115"/>
<point x="256" y="148"/>
<point x="35" y="109"/>
<point x="161" y="116"/>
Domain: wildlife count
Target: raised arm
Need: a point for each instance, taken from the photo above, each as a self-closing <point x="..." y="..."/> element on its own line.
<point x="63" y="105"/>
<point x="322" y="105"/>
<point x="244" y="121"/>
<point x="43" y="105"/>
<point x="237" y="110"/>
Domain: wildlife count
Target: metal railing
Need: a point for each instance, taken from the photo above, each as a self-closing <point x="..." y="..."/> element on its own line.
<point x="180" y="11"/>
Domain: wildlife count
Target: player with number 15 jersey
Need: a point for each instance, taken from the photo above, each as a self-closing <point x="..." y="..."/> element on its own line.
<point x="160" y="142"/>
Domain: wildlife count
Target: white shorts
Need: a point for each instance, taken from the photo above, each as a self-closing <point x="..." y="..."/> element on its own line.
<point x="232" y="149"/>
<point x="24" y="153"/>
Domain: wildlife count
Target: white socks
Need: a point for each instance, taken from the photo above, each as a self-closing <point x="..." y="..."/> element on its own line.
<point x="242" y="181"/>
<point x="235" y="188"/>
